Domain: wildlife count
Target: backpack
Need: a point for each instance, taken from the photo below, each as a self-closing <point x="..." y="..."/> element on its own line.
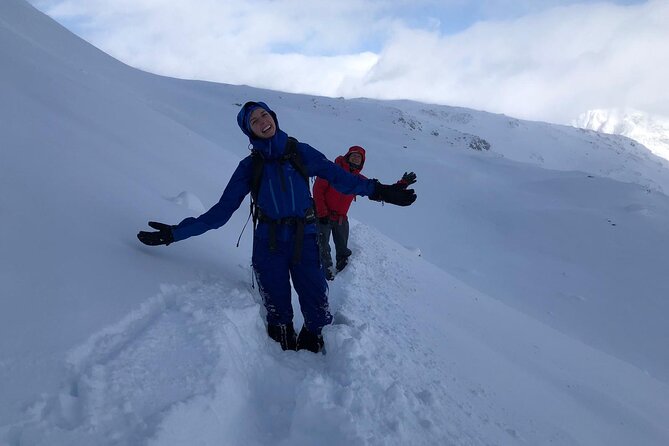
<point x="258" y="164"/>
<point x="292" y="156"/>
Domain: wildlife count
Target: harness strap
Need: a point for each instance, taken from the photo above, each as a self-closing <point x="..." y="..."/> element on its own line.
<point x="272" y="236"/>
<point x="298" y="222"/>
<point x="299" y="239"/>
<point x="291" y="155"/>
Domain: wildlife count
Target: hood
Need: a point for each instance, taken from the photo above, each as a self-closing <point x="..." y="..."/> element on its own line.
<point x="271" y="147"/>
<point x="343" y="159"/>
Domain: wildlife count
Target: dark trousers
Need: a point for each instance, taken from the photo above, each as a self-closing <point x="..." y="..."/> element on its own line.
<point x="339" y="231"/>
<point x="274" y="270"/>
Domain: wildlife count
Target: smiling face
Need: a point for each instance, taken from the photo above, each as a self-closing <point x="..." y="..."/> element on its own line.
<point x="262" y="124"/>
<point x="355" y="159"/>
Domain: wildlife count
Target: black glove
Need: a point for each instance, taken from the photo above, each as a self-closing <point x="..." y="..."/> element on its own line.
<point x="393" y="194"/>
<point x="162" y="237"/>
<point x="324" y="220"/>
<point x="408" y="178"/>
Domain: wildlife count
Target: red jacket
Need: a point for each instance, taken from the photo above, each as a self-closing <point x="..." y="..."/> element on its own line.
<point x="330" y="202"/>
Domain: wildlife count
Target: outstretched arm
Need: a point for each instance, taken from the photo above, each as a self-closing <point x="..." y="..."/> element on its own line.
<point x="238" y="187"/>
<point x="219" y="214"/>
<point x="347" y="183"/>
<point x="318" y="165"/>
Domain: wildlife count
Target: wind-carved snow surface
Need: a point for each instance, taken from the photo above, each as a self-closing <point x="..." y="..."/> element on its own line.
<point x="190" y="201"/>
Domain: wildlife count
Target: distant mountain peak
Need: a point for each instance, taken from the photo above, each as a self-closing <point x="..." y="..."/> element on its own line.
<point x="650" y="130"/>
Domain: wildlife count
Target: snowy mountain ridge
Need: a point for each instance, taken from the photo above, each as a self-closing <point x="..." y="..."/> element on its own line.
<point x="651" y="131"/>
<point x="535" y="313"/>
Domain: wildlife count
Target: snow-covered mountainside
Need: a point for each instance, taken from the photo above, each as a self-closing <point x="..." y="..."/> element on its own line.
<point x="651" y="131"/>
<point x="535" y="313"/>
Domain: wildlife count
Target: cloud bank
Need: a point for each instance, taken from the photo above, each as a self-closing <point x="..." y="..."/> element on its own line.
<point x="548" y="64"/>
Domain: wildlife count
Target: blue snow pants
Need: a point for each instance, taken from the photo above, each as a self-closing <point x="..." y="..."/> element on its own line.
<point x="274" y="270"/>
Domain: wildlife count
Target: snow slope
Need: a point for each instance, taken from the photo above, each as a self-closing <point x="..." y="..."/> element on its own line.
<point x="384" y="379"/>
<point x="651" y="131"/>
<point x="536" y="313"/>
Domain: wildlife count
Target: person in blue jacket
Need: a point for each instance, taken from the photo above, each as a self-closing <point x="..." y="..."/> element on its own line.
<point x="285" y="242"/>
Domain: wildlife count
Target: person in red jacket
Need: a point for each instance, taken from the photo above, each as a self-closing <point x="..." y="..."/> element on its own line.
<point x="332" y="208"/>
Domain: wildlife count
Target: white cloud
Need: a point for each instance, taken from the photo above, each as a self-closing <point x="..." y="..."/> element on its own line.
<point x="552" y="65"/>
<point x="295" y="45"/>
<point x="549" y="65"/>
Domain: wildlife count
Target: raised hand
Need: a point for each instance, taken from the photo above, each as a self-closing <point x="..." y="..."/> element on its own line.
<point x="396" y="194"/>
<point x="407" y="179"/>
<point x="154" y="238"/>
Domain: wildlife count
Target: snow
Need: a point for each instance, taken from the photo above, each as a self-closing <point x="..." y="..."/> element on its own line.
<point x="520" y="300"/>
<point x="190" y="201"/>
<point x="650" y="130"/>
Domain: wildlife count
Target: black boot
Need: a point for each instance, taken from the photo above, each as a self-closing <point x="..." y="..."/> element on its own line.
<point x="309" y="341"/>
<point x="284" y="335"/>
<point x="341" y="264"/>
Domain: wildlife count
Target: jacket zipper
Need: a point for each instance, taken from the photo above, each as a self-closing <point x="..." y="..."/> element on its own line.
<point x="271" y="191"/>
<point x="292" y="191"/>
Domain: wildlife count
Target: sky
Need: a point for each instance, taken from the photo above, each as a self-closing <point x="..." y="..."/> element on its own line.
<point x="545" y="60"/>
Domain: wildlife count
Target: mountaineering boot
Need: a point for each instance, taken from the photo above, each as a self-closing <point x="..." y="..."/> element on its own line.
<point x="309" y="341"/>
<point x="284" y="335"/>
<point x="329" y="275"/>
<point x="341" y="264"/>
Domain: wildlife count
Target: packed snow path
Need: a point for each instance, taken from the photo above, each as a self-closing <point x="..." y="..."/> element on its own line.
<point x="194" y="366"/>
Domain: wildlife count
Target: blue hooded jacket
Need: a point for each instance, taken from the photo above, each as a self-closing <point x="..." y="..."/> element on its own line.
<point x="276" y="198"/>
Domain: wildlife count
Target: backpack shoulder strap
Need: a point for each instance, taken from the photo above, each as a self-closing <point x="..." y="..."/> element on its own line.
<point x="293" y="155"/>
<point x="257" y="166"/>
